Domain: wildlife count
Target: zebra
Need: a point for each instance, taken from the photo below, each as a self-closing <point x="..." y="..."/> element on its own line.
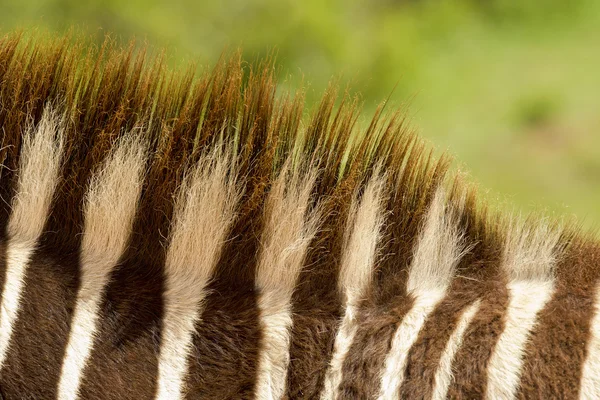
<point x="168" y="235"/>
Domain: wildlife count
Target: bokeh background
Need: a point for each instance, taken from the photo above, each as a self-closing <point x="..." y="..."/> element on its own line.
<point x="510" y="88"/>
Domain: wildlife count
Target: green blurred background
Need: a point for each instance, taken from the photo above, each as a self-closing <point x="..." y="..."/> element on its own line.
<point x="510" y="88"/>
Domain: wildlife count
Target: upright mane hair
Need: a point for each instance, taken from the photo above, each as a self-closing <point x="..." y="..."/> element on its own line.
<point x="268" y="233"/>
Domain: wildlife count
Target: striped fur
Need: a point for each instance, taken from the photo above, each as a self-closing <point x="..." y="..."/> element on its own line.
<point x="203" y="213"/>
<point x="443" y="375"/>
<point x="177" y="237"/>
<point x="438" y="251"/>
<point x="38" y="174"/>
<point x="362" y="236"/>
<point x="529" y="258"/>
<point x="281" y="257"/>
<point x="109" y="211"/>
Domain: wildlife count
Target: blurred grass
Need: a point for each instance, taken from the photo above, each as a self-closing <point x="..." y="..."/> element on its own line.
<point x="510" y="87"/>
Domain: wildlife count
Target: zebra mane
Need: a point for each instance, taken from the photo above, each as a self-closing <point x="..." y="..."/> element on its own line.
<point x="97" y="96"/>
<point x="151" y="165"/>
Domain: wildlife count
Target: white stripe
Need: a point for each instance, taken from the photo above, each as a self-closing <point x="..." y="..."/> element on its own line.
<point x="528" y="261"/>
<point x="39" y="166"/>
<point x="504" y="371"/>
<point x="443" y="375"/>
<point x="275" y="322"/>
<point x="289" y="227"/>
<point x="81" y="336"/>
<point x="438" y="250"/>
<point x="590" y="376"/>
<point x="343" y="341"/>
<point x="109" y="212"/>
<point x="179" y="325"/>
<point x="17" y="257"/>
<point x="202" y="216"/>
<point x="358" y="259"/>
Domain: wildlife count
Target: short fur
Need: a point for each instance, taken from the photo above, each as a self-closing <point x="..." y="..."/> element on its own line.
<point x="590" y="380"/>
<point x="443" y="375"/>
<point x="223" y="245"/>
